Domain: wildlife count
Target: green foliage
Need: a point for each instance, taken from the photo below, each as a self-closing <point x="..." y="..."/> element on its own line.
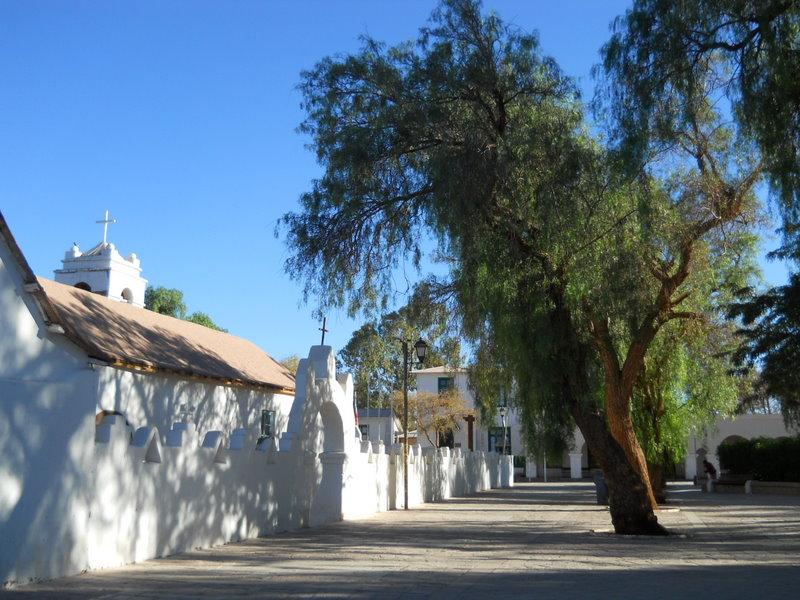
<point x="169" y="301"/>
<point x="767" y="459"/>
<point x="561" y="264"/>
<point x="374" y="355"/>
<point x="772" y="333"/>
<point x="291" y="363"/>
<point x="687" y="381"/>
<point x="201" y="318"/>
<point x="166" y="301"/>
<point x="744" y="52"/>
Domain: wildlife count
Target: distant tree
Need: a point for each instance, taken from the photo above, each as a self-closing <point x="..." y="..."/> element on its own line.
<point x="374" y="356"/>
<point x="203" y="319"/>
<point x="169" y="301"/>
<point x="369" y="357"/>
<point x="166" y="301"/>
<point x="433" y="415"/>
<point x="291" y="363"/>
<point x="772" y="331"/>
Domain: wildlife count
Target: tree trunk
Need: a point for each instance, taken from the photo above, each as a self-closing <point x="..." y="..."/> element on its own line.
<point x="628" y="499"/>
<point x="656" y="472"/>
<point x="619" y="421"/>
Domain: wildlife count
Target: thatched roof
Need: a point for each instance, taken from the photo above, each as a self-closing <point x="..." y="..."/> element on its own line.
<point x="127" y="336"/>
<point x="123" y="334"/>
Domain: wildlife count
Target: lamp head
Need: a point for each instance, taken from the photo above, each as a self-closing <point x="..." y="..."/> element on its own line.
<point x="422" y="349"/>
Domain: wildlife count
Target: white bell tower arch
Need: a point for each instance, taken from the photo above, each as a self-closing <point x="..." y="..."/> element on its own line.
<point x="103" y="270"/>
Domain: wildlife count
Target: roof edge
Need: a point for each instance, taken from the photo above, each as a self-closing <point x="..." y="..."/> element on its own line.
<point x="49" y="313"/>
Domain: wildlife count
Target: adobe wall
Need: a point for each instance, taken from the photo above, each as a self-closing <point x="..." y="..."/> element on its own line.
<point x="120" y="492"/>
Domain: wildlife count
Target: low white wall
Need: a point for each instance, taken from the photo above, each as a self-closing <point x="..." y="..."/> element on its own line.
<point x="112" y="494"/>
<point x="375" y="478"/>
<point x="704" y="444"/>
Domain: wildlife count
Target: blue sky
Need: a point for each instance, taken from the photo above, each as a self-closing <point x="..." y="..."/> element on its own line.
<point x="181" y="117"/>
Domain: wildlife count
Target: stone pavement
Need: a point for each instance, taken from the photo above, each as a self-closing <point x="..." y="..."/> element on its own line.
<point x="541" y="540"/>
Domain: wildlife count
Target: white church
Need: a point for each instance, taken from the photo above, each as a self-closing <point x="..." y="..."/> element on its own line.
<point x="127" y="435"/>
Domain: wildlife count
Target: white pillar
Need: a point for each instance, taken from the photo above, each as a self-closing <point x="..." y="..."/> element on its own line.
<point x="506" y="471"/>
<point x="530" y="468"/>
<point x="691" y="465"/>
<point x="575" y="471"/>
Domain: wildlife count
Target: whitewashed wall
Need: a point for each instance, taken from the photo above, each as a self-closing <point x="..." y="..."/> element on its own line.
<point x="76" y="496"/>
<point x="704" y="444"/>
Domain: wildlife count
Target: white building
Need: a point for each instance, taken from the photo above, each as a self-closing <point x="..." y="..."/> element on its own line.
<point x="473" y="434"/>
<point x="126" y="435"/>
<point x="703" y="445"/>
<point x="103" y="270"/>
<point x="576" y="462"/>
<point x="379" y="425"/>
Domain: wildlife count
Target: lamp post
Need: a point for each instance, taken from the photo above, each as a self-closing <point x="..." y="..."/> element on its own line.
<point x="421" y="348"/>
<point x="503" y="421"/>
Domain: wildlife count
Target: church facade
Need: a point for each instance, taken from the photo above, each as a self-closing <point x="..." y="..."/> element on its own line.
<point x="70" y="359"/>
<point x="127" y="435"/>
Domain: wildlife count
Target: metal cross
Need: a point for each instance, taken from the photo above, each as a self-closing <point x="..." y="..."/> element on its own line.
<point x="105" y="223"/>
<point x="323" y="330"/>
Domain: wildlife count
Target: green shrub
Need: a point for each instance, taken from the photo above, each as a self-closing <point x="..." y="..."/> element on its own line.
<point x="767" y="459"/>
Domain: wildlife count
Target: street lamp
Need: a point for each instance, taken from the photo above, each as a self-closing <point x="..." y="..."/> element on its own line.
<point x="503" y="421"/>
<point x="421" y="348"/>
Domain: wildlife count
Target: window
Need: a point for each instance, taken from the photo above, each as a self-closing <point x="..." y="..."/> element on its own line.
<point x="496" y="439"/>
<point x="364" y="431"/>
<point x="445" y="384"/>
<point x="267" y="424"/>
<point x="503" y="401"/>
<point x="447" y="439"/>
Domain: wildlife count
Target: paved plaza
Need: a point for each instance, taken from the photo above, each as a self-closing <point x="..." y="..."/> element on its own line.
<point x="540" y="540"/>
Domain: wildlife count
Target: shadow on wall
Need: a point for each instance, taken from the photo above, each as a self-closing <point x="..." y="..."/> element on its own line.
<point x="166" y="348"/>
<point x="77" y="495"/>
<point x="140" y="494"/>
<point x="100" y="495"/>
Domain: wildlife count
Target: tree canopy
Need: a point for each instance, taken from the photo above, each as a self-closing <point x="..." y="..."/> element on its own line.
<point x="169" y="301"/>
<point x="433" y="415"/>
<point x="374" y="356"/>
<point x="563" y="263"/>
<point x="748" y="51"/>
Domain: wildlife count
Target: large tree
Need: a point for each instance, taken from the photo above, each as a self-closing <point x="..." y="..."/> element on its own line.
<point x="566" y="266"/>
<point x="753" y="50"/>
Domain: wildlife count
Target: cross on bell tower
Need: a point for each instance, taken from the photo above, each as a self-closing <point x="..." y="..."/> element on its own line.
<point x="106" y="222"/>
<point x="323" y="330"/>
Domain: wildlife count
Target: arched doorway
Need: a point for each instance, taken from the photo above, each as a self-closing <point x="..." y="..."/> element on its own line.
<point x="732" y="439"/>
<point x="82" y="285"/>
<point x="332" y="428"/>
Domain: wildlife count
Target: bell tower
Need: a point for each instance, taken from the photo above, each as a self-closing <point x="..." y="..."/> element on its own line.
<point x="103" y="270"/>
